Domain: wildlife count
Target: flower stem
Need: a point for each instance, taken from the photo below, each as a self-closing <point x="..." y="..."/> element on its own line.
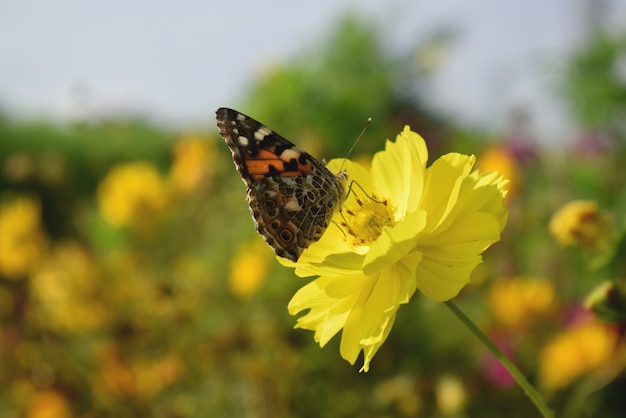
<point x="517" y="375"/>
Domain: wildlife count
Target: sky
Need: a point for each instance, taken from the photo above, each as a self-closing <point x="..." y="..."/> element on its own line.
<point x="176" y="62"/>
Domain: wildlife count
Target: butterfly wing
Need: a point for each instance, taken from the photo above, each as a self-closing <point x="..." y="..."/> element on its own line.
<point x="292" y="196"/>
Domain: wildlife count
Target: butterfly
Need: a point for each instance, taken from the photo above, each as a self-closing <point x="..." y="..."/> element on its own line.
<point x="292" y="196"/>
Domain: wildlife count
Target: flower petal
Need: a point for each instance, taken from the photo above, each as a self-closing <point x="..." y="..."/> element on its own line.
<point x="373" y="315"/>
<point x="330" y="256"/>
<point x="469" y="234"/>
<point x="363" y="306"/>
<point x="444" y="179"/>
<point x="356" y="173"/>
<point x="330" y="300"/>
<point x="443" y="281"/>
<point x="484" y="193"/>
<point x="332" y="265"/>
<point x="394" y="243"/>
<point x="398" y="172"/>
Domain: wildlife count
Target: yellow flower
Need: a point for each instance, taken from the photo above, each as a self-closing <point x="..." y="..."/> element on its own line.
<point x="403" y="227"/>
<point x="581" y="222"/>
<point x="451" y="395"/>
<point x="66" y="292"/>
<point x="400" y="391"/>
<point x="131" y="193"/>
<point x="21" y="239"/>
<point x="576" y="351"/>
<point x="515" y="301"/>
<point x="192" y="162"/>
<point x="49" y="404"/>
<point x="502" y="160"/>
<point x="249" y="268"/>
<point x="151" y="375"/>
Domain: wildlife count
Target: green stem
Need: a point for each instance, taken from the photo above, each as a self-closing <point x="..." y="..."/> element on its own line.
<point x="517" y="375"/>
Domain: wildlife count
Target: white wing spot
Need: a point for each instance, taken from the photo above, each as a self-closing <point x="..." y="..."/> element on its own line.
<point x="261" y="133"/>
<point x="236" y="131"/>
<point x="243" y="141"/>
<point x="240" y="117"/>
<point x="292" y="205"/>
<point x="289" y="154"/>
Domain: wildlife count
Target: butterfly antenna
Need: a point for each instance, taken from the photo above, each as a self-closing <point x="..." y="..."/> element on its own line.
<point x="367" y="124"/>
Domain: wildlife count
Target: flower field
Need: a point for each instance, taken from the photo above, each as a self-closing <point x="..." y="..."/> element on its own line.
<point x="133" y="283"/>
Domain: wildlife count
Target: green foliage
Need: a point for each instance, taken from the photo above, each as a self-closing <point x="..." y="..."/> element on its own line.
<point x="326" y="94"/>
<point x="596" y="83"/>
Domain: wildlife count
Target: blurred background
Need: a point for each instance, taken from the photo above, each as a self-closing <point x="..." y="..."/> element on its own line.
<point x="132" y="282"/>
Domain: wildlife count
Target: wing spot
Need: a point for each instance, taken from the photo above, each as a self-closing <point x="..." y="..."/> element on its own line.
<point x="243" y="141"/>
<point x="292" y="205"/>
<point x="236" y="131"/>
<point x="286" y="235"/>
<point x="289" y="155"/>
<point x="261" y="133"/>
<point x="240" y="117"/>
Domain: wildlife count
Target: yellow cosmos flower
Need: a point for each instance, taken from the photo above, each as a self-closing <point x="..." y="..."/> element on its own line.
<point x="501" y="159"/>
<point x="151" y="375"/>
<point x="192" y="163"/>
<point x="451" y="395"/>
<point x="65" y="290"/>
<point x="22" y="240"/>
<point x="516" y="301"/>
<point x="576" y="351"/>
<point x="582" y="222"/>
<point x="48" y="404"/>
<point x="249" y="269"/>
<point x="403" y="227"/>
<point x="131" y="192"/>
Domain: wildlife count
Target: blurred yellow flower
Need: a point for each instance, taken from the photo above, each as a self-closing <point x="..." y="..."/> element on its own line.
<point x="115" y="376"/>
<point x="22" y="241"/>
<point x="451" y="395"/>
<point x="581" y="222"/>
<point x="153" y="375"/>
<point x="132" y="193"/>
<point x="499" y="158"/>
<point x="49" y="404"/>
<point x="192" y="162"/>
<point x="401" y="392"/>
<point x="66" y="292"/>
<point x="516" y="301"/>
<point x="249" y="268"/>
<point x="403" y="227"/>
<point x="145" y="377"/>
<point x="576" y="351"/>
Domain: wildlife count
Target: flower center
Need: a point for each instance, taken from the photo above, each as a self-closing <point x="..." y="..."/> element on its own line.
<point x="364" y="222"/>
